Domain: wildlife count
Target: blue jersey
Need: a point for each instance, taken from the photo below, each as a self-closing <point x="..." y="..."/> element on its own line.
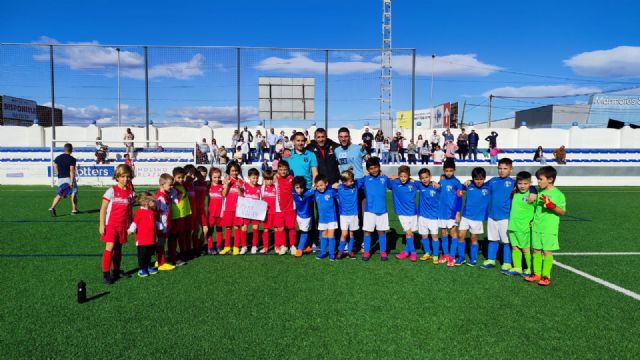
<point x="449" y="202"/>
<point x="375" y="190"/>
<point x="428" y="201"/>
<point x="302" y="163"/>
<point x="326" y="205"/>
<point x="404" y="196"/>
<point x="501" y="193"/>
<point x="477" y="202"/>
<point x="351" y="157"/>
<point x="348" y="198"/>
<point x="303" y="203"/>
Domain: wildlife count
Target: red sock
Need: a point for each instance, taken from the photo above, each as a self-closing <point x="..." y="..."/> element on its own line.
<point x="265" y="240"/>
<point x="218" y="239"/>
<point x="244" y="238"/>
<point x="116" y="258"/>
<point x="227" y="237"/>
<point x="256" y="235"/>
<point x="106" y="260"/>
<point x="292" y="237"/>
<point x="237" y="237"/>
<point x="209" y="242"/>
<point x="280" y="240"/>
<point x="160" y="253"/>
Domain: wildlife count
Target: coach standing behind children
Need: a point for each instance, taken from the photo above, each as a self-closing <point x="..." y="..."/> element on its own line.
<point x="303" y="162"/>
<point x="350" y="156"/>
<point x="324" y="149"/>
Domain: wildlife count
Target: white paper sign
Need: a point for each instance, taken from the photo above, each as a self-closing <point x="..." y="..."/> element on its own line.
<point x="251" y="209"/>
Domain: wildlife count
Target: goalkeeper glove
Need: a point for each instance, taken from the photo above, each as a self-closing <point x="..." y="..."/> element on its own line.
<point x="547" y="202"/>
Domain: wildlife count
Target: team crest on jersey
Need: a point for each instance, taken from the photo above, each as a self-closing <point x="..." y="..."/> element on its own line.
<point x="432" y="193"/>
<point x="410" y="187"/>
<point x="382" y="181"/>
<point x="327" y="197"/>
<point x="508" y="184"/>
<point x="449" y="188"/>
<point x="485" y="192"/>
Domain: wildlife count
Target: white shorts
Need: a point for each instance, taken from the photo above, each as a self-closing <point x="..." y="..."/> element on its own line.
<point x="349" y="223"/>
<point x="497" y="230"/>
<point x="373" y="222"/>
<point x="409" y="223"/>
<point x="446" y="223"/>
<point x="474" y="226"/>
<point x="328" y="226"/>
<point x="427" y="226"/>
<point x="303" y="224"/>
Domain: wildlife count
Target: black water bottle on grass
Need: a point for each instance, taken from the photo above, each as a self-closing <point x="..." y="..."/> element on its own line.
<point x="82" y="292"/>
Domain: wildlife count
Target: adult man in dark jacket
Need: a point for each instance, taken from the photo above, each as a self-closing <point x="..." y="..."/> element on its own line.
<point x="324" y="150"/>
<point x="473" y="145"/>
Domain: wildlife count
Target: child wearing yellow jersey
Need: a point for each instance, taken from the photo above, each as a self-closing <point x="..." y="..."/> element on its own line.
<point x="180" y="210"/>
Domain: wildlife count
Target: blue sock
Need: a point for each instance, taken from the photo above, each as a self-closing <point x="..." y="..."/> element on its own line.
<point x="303" y="240"/>
<point x="493" y="250"/>
<point x="332" y="247"/>
<point x="454" y="247"/>
<point x="473" y="252"/>
<point x="367" y="243"/>
<point x="506" y="254"/>
<point x="411" y="245"/>
<point x="341" y="246"/>
<point x="382" y="240"/>
<point x="426" y="246"/>
<point x="407" y="247"/>
<point x="445" y="245"/>
<point x="435" y="245"/>
<point x="461" y="246"/>
<point x="323" y="245"/>
<point x="350" y="246"/>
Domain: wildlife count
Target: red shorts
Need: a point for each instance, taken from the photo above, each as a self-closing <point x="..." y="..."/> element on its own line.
<point x="268" y="222"/>
<point x="229" y="219"/>
<point x="285" y="219"/>
<point x="115" y="233"/>
<point x="215" y="221"/>
<point x="250" y="222"/>
<point x="180" y="225"/>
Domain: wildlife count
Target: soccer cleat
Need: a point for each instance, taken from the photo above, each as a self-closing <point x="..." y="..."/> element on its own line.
<point x="451" y="262"/>
<point x="351" y="255"/>
<point x="236" y="251"/>
<point x="308" y="250"/>
<point x="472" y="263"/>
<point x="264" y="251"/>
<point x="533" y="278"/>
<point x="52" y="212"/>
<point x="426" y="257"/>
<point x="298" y="253"/>
<point x="106" y="278"/>
<point x="254" y="250"/>
<point x="143" y="273"/>
<point x="75" y="212"/>
<point x="505" y="269"/>
<point x="515" y="272"/>
<point x="413" y="257"/>
<point x="225" y="251"/>
<point x="283" y="250"/>
<point x="444" y="259"/>
<point x="213" y="252"/>
<point x="383" y="256"/>
<point x="166" y="267"/>
<point x="151" y="270"/>
<point x="332" y="258"/>
<point x="545" y="281"/>
<point x="403" y="255"/>
<point x="293" y="250"/>
<point x="314" y="248"/>
<point x="243" y="250"/>
<point x="435" y="260"/>
<point x="119" y="274"/>
<point x="366" y="256"/>
<point x="488" y="264"/>
<point x="460" y="260"/>
<point x="526" y="273"/>
<point x="322" y="256"/>
<point x="180" y="262"/>
<point x="340" y="255"/>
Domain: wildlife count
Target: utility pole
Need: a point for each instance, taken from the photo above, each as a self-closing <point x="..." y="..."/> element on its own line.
<point x="490" y="99"/>
<point x="431" y="113"/>
<point x="464" y="107"/>
<point x="118" y="52"/>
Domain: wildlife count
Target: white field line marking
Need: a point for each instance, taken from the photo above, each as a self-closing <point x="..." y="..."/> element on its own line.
<point x="597" y="254"/>
<point x="611" y="286"/>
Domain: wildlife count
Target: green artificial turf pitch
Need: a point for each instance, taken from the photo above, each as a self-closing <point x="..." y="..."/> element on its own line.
<point x="280" y="306"/>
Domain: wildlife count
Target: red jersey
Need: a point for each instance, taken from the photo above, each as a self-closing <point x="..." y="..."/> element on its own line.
<point x="191" y="193"/>
<point x="120" y="205"/>
<point x="144" y="225"/>
<point x="269" y="196"/>
<point x="252" y="191"/>
<point x="215" y="200"/>
<point x="201" y="188"/>
<point x="231" y="200"/>
<point x="284" y="196"/>
<point x="163" y="208"/>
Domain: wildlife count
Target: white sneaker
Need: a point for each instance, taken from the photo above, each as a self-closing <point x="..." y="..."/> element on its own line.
<point x="283" y="250"/>
<point x="243" y="250"/>
<point x="292" y="250"/>
<point x="263" y="251"/>
<point x="254" y="250"/>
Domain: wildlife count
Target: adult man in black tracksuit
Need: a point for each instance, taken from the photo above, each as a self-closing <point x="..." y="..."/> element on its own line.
<point x="324" y="150"/>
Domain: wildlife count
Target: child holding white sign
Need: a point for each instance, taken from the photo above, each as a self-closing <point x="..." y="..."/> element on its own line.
<point x="251" y="190"/>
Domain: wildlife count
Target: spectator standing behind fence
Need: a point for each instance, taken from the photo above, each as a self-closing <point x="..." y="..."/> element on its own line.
<point x="463" y="144"/>
<point x="367" y="139"/>
<point x="128" y="144"/>
<point x="425" y="152"/>
<point x="260" y="141"/>
<point x="450" y="149"/>
<point x="223" y="158"/>
<point x="245" y="149"/>
<point x="203" y="155"/>
<point x="492" y="139"/>
<point x="560" y="154"/>
<point x="287" y="143"/>
<point x="379" y="140"/>
<point x="438" y="155"/>
<point x="434" y="140"/>
<point x="539" y="156"/>
<point x="247" y="136"/>
<point x="272" y="139"/>
<point x="401" y="148"/>
<point x="213" y="154"/>
<point x="235" y="139"/>
<point x="447" y="135"/>
<point x="393" y="150"/>
<point x="473" y="145"/>
<point x="386" y="147"/>
<point x="411" y="152"/>
<point x="419" y="142"/>
<point x="102" y="151"/>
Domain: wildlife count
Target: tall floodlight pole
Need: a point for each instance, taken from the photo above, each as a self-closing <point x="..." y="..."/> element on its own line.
<point x="118" y="52"/>
<point x="431" y="115"/>
<point x="386" y="123"/>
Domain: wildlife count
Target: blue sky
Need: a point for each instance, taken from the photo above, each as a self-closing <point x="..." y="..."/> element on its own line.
<point x="541" y="48"/>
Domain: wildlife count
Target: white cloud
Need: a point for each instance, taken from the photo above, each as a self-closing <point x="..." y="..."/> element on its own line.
<point x="448" y="65"/>
<point x="87" y="57"/>
<point x="622" y="61"/>
<point x="542" y="90"/>
<point x="215" y="114"/>
<point x="72" y="115"/>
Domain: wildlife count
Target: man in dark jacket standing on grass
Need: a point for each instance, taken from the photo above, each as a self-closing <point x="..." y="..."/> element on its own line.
<point x="324" y="148"/>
